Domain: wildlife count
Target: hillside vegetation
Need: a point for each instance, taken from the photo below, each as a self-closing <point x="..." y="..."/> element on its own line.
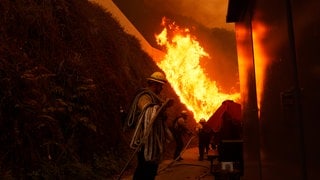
<point x="65" y="69"/>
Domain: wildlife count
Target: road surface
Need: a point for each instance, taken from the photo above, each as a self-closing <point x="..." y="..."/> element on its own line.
<point x="190" y="168"/>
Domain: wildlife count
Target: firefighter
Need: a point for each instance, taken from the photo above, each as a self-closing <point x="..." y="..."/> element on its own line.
<point x="179" y="129"/>
<point x="205" y="133"/>
<point x="147" y="113"/>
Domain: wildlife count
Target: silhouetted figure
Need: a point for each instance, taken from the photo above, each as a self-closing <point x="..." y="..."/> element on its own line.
<point x="205" y="133"/>
<point x="178" y="130"/>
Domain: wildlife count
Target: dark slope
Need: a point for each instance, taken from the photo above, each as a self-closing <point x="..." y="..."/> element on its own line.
<point x="65" y="69"/>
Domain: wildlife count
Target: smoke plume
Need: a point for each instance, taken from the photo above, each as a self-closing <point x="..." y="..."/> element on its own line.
<point x="210" y="13"/>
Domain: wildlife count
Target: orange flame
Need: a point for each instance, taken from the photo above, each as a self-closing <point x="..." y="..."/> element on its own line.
<point x="181" y="65"/>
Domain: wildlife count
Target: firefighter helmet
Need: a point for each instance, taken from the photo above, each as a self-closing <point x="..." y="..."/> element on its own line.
<point x="184" y="112"/>
<point x="157" y="77"/>
<point x="202" y="120"/>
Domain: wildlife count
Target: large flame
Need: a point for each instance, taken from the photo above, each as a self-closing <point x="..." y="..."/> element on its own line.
<point x="183" y="71"/>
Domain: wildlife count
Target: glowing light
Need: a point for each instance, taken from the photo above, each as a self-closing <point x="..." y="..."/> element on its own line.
<point x="183" y="71"/>
<point x="260" y="58"/>
<point x="245" y="55"/>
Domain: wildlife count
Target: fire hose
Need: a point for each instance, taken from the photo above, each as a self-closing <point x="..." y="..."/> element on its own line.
<point x="176" y="160"/>
<point x="183" y="150"/>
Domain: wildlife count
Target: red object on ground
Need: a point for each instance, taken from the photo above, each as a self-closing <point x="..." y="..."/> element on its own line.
<point x="229" y="106"/>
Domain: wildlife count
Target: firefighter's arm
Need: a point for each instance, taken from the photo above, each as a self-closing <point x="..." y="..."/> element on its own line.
<point x="182" y="123"/>
<point x="170" y="102"/>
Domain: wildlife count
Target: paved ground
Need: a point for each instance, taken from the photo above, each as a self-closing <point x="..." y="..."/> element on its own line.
<point x="190" y="168"/>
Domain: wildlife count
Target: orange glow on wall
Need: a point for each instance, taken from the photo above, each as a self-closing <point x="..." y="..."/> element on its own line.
<point x="261" y="61"/>
<point x="244" y="59"/>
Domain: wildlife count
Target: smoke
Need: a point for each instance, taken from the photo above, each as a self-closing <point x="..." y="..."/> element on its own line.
<point x="210" y="13"/>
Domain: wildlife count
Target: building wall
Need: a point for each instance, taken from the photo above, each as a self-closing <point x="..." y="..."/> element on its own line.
<point x="280" y="85"/>
<point x="249" y="105"/>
